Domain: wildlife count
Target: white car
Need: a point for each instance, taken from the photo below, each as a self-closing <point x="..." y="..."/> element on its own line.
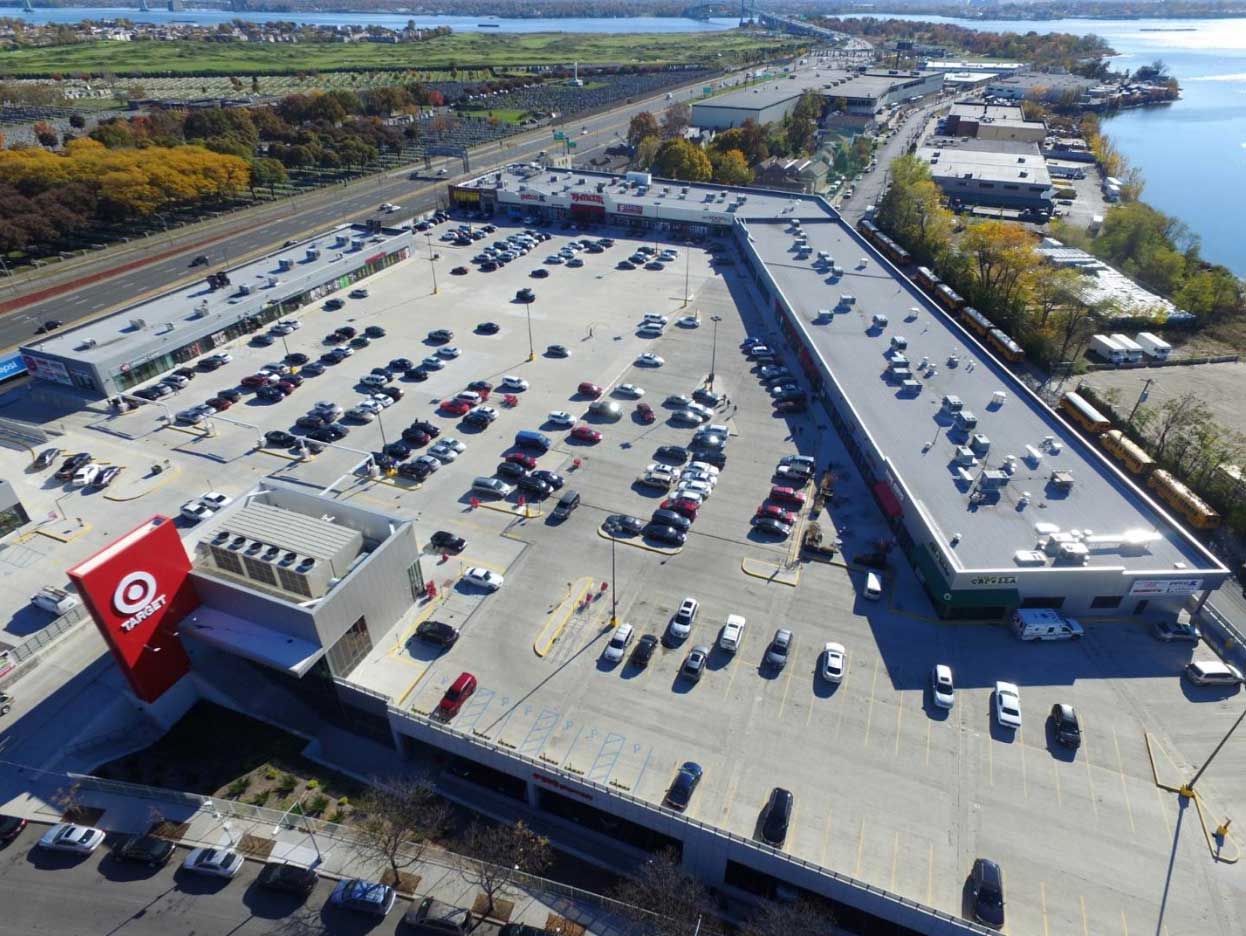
<point x="1007" y="705"/>
<point x="384" y="400"/>
<point x="370" y="405"/>
<point x="81" y="840"/>
<point x="292" y="324"/>
<point x="193" y="416"/>
<point x="195" y="511"/>
<point x="649" y="359"/>
<point x="432" y="362"/>
<point x="215" y="500"/>
<point x="704" y="468"/>
<point x="688" y="321"/>
<point x="444" y="452"/>
<point x="694" y="487"/>
<point x="732" y="633"/>
<point x="484" y="578"/>
<point x="511" y="382"/>
<point x="666" y="472"/>
<point x="942" y="689"/>
<point x="696" y="474"/>
<point x="560" y="418"/>
<point x="833" y="662"/>
<point x="653" y="318"/>
<point x="630" y="390"/>
<point x="617" y="646"/>
<point x="681" y="624"/>
<point x="86" y="475"/>
<point x="448" y="351"/>
<point x="215" y="862"/>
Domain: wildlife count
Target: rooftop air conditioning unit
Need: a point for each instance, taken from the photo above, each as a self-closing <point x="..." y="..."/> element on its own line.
<point x="87" y="344"/>
<point x="254" y="548"/>
<point x="285" y="264"/>
<point x="238" y="543"/>
<point x="305" y="566"/>
<point x="138" y="323"/>
<point x="244" y="290"/>
<point x="221" y="538"/>
<point x="313" y="253"/>
<point x="271" y="554"/>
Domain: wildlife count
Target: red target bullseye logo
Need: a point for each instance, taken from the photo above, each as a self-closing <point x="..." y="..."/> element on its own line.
<point x="134" y="592"/>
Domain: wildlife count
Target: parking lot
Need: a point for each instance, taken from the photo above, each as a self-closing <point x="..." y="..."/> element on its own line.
<point x="887" y="788"/>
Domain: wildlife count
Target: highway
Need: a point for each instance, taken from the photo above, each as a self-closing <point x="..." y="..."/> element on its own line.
<point x="119" y="280"/>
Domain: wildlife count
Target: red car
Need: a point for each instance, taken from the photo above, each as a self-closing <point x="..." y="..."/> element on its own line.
<point x="455" y="407"/>
<point x="644" y="413"/>
<point x="589" y="390"/>
<point x="219" y="403"/>
<point x="777" y="513"/>
<point x="459" y="692"/>
<point x="286" y="386"/>
<point x="787" y="495"/>
<point x="683" y="507"/>
<point x="791" y="406"/>
<point x="258" y="380"/>
<point x="519" y="458"/>
<point x="586" y="434"/>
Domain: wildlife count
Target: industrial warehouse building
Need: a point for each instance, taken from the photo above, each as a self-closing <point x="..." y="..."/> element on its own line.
<point x="975" y="548"/>
<point x="998" y="173"/>
<point x="119" y="351"/>
<point x="992" y="122"/>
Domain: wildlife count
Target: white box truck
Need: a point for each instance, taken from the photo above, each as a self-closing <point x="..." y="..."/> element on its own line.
<point x="1154" y="346"/>
<point x="1107" y="349"/>
<point x="1133" y="350"/>
<point x="1044" y="624"/>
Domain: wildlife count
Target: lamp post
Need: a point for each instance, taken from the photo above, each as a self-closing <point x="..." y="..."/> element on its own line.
<point x="614" y="588"/>
<point x="687" y="264"/>
<point x="1187" y="790"/>
<point x="432" y="264"/>
<point x="714" y="348"/>
<point x="531" y="347"/>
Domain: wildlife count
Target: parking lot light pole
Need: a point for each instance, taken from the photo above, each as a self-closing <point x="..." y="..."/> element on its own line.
<point x="614" y="588"/>
<point x="714" y="349"/>
<point x="531" y="347"/>
<point x="1187" y="790"/>
<point x="687" y="265"/>
<point x="432" y="264"/>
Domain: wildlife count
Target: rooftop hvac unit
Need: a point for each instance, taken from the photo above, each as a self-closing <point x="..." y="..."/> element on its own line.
<point x="87" y="344"/>
<point x="285" y="264"/>
<point x="305" y="566"/>
<point x="271" y="554"/>
<point x="238" y="543"/>
<point x="221" y="538"/>
<point x="244" y="290"/>
<point x="288" y="560"/>
<point x="254" y="548"/>
<point x="273" y="282"/>
<point x="200" y="310"/>
<point x="341" y="240"/>
<point x="138" y="323"/>
<point x="313" y="253"/>
<point x="357" y="243"/>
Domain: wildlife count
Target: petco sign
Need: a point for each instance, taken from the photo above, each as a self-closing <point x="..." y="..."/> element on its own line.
<point x="137" y="596"/>
<point x="137" y="590"/>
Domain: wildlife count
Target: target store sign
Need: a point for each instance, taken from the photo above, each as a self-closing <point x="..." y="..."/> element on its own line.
<point x="137" y="590"/>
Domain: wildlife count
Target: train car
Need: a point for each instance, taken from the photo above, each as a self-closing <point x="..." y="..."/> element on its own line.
<point x="975" y="320"/>
<point x="925" y="278"/>
<point x="1128" y="453"/>
<point x="901" y="257"/>
<point x="1004" y="346"/>
<point x="869" y="230"/>
<point x="949" y="298"/>
<point x="1085" y="415"/>
<point x="1196" y="511"/>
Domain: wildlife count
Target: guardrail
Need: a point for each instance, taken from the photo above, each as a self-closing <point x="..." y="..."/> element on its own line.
<point x="12" y="659"/>
<point x="1230" y="637"/>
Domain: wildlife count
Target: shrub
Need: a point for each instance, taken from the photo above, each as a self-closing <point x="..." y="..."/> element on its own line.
<point x="238" y="787"/>
<point x="319" y="803"/>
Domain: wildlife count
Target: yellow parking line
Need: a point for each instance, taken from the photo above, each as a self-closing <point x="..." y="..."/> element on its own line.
<point x="1055" y="769"/>
<point x="1042" y="902"/>
<point x="787" y="683"/>
<point x="1120" y="769"/>
<point x="541" y="648"/>
<point x="411" y="688"/>
<point x="930" y="876"/>
<point x="869" y="710"/>
<point x="1085" y="924"/>
<point x="1124" y="923"/>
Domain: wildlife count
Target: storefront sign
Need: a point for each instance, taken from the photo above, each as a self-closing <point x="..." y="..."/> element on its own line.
<point x="465" y="196"/>
<point x="12" y="366"/>
<point x="46" y="369"/>
<point x="630" y="209"/>
<point x="553" y="784"/>
<point x="993" y="580"/>
<point x="137" y="590"/>
<point x="1161" y="587"/>
<point x="531" y="196"/>
<point x="591" y="198"/>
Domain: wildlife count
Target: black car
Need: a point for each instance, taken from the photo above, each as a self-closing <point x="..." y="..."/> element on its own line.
<point x="188" y="372"/>
<point x="555" y="481"/>
<point x="334" y="432"/>
<point x="708" y="397"/>
<point x="644" y="651"/>
<point x="772" y="526"/>
<point x="262" y="341"/>
<point x="477" y="418"/>
<point x="10" y="828"/>
<point x="296" y="358"/>
<point x="418" y="374"/>
<point x="672" y="453"/>
<point x="440" y="335"/>
<point x="233" y="394"/>
<point x="310" y="421"/>
<point x="488" y="328"/>
<point x="511" y="470"/>
<point x="360" y="341"/>
<point x="432" y="430"/>
<point x="775" y="816"/>
<point x="437" y="632"/>
<point x="200" y="260"/>
<point x="210" y="364"/>
<point x="986" y="886"/>
<point x="445" y="540"/>
<point x="417" y="471"/>
<point x="69" y="467"/>
<point x="488" y="266"/>
<point x="399" y="448"/>
<point x="1065" y="726"/>
<point x="537" y="488"/>
<point x="314" y="369"/>
<point x="684" y="785"/>
<point x="145" y="849"/>
<point x="625" y="265"/>
<point x="271" y="394"/>
<point x="287" y="878"/>
<point x="394" y="393"/>
<point x="415" y="435"/>
<point x="400" y="364"/>
<point x="623" y="525"/>
<point x="665" y="534"/>
<point x="332" y="357"/>
<point x="46" y="457"/>
<point x="374" y="331"/>
<point x="670" y="518"/>
<point x="525" y="295"/>
<point x="539" y="273"/>
<point x="334" y="304"/>
<point x="459" y="271"/>
<point x="480" y="386"/>
<point x="382" y="372"/>
<point x="279" y="438"/>
<point x="346" y="331"/>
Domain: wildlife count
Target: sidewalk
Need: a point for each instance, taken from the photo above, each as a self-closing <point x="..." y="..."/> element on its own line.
<point x="266" y="835"/>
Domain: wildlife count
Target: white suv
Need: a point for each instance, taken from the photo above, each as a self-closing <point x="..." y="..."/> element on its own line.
<point x="732" y="633"/>
<point x="617" y="646"/>
<point x="681" y="624"/>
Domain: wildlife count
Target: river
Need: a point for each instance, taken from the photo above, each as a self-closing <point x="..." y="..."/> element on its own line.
<point x="1192" y="153"/>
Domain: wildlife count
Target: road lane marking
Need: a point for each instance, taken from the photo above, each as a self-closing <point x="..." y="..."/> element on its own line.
<point x="1120" y="768"/>
<point x="1124" y="923"/>
<point x="869" y="710"/>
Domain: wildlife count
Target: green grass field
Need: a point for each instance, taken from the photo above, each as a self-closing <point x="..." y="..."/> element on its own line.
<point x="462" y="50"/>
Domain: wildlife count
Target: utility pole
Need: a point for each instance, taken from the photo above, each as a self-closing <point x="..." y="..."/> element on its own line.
<point x="1141" y="397"/>
<point x="687" y="264"/>
<point x="614" y="588"/>
<point x="714" y="349"/>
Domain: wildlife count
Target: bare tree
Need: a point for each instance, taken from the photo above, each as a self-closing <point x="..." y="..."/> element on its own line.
<point x="663" y="898"/>
<point x="676" y="119"/>
<point x="1073" y="325"/>
<point x="1174" y="418"/>
<point x="496" y="854"/>
<point x="402" y="816"/>
<point x="803" y="918"/>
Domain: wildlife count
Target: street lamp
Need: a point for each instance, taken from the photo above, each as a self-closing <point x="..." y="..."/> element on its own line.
<point x="614" y="587"/>
<point x="714" y="348"/>
<point x="432" y="264"/>
<point x="1187" y="790"/>
<point x="687" y="264"/>
<point x="527" y="304"/>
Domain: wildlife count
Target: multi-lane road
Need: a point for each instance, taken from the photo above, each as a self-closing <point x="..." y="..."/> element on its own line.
<point x="127" y="272"/>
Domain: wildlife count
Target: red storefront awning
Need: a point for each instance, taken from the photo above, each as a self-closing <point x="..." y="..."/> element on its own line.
<point x="887" y="498"/>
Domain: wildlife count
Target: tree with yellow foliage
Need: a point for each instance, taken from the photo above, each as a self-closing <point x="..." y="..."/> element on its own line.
<point x="1003" y="264"/>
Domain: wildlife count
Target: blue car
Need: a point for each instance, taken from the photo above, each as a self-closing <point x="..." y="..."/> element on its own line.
<point x="363" y="896"/>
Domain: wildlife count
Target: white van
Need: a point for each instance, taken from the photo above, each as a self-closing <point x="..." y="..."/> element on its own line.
<point x="1044" y="624"/>
<point x="1212" y="673"/>
<point x="873" y="586"/>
